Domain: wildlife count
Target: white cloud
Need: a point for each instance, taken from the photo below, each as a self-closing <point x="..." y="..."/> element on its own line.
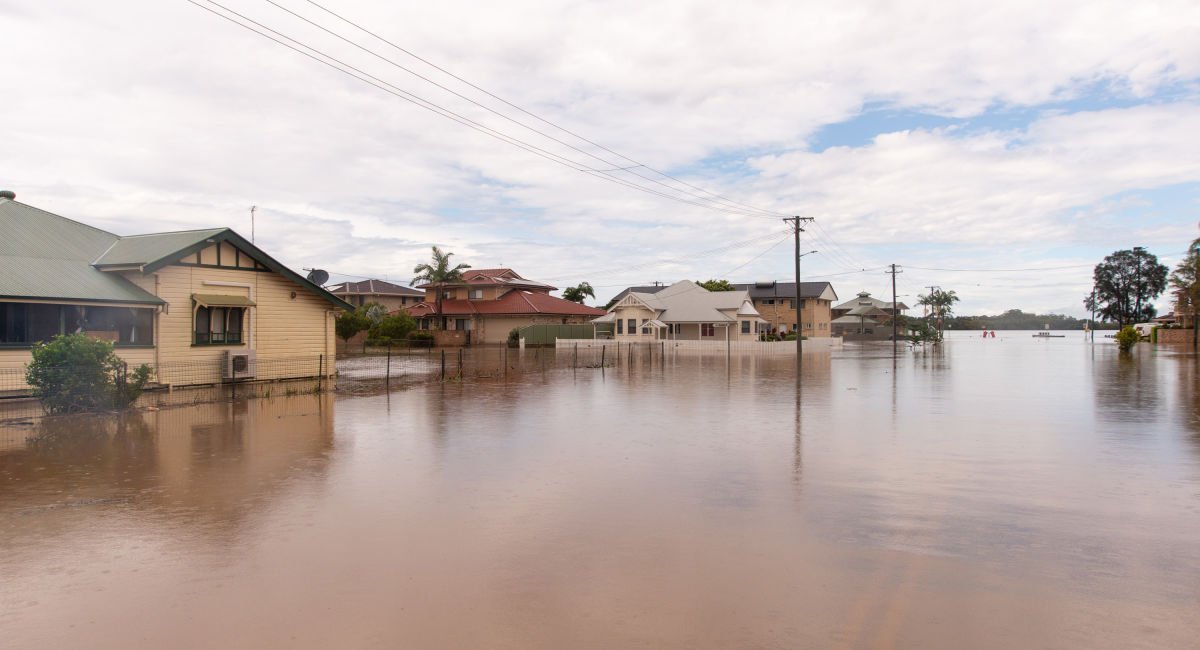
<point x="142" y="115"/>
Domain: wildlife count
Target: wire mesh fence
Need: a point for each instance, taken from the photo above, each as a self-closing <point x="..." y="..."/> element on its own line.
<point x="214" y="379"/>
<point x="202" y="372"/>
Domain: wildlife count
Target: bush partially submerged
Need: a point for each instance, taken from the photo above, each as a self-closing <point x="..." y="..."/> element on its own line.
<point x="1127" y="338"/>
<point x="75" y="372"/>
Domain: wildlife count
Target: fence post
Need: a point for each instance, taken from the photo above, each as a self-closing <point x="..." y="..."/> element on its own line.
<point x="460" y="363"/>
<point x="575" y="357"/>
<point x="505" y="360"/>
<point x="320" y="374"/>
<point x="387" y="381"/>
<point x="603" y="348"/>
<point x="443" y="365"/>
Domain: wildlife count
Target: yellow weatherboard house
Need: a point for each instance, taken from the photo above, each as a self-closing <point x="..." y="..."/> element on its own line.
<point x="198" y="306"/>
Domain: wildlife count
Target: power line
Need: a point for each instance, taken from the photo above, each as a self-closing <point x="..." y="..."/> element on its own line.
<point x="768" y="249"/>
<point x="1026" y="270"/>
<point x="768" y="213"/>
<point x="488" y="108"/>
<point x="834" y="275"/>
<point x="417" y="100"/>
<point x="842" y="252"/>
<point x="705" y="253"/>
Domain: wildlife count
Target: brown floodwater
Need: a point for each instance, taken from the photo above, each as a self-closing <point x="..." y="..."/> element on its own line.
<point x="999" y="493"/>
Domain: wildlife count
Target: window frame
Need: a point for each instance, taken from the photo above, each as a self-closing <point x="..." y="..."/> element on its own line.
<point x="70" y="318"/>
<point x="226" y="312"/>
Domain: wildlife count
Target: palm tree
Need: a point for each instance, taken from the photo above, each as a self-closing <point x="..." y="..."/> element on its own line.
<point x="578" y="292"/>
<point x="941" y="305"/>
<point x="438" y="274"/>
<point x="1185" y="281"/>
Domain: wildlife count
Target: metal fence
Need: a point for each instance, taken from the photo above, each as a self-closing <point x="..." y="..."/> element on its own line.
<point x="705" y="347"/>
<point x="388" y="368"/>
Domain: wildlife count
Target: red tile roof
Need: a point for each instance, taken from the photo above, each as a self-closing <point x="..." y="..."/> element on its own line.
<point x="513" y="302"/>
<point x="472" y="274"/>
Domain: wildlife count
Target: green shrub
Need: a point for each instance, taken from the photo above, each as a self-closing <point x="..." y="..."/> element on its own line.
<point x="75" y="372"/>
<point x="514" y="337"/>
<point x="393" y="328"/>
<point x="1127" y="338"/>
<point x="349" y="323"/>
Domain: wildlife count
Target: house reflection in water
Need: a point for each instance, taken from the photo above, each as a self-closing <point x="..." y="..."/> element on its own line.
<point x="199" y="469"/>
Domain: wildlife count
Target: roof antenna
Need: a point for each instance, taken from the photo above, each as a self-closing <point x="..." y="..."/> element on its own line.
<point x="252" y="209"/>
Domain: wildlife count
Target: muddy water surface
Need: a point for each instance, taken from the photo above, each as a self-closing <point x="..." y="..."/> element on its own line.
<point x="1002" y="493"/>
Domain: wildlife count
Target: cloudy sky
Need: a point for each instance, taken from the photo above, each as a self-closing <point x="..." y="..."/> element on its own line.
<point x="997" y="149"/>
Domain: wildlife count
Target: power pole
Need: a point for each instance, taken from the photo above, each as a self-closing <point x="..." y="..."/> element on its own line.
<point x="1092" y="324"/>
<point x="253" y="208"/>
<point x="796" y="230"/>
<point x="895" y="314"/>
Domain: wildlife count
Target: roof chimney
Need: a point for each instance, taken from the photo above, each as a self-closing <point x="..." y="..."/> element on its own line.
<point x="8" y="194"/>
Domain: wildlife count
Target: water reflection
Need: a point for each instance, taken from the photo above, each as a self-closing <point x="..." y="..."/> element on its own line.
<point x="214" y="462"/>
<point x="980" y="495"/>
<point x="1127" y="389"/>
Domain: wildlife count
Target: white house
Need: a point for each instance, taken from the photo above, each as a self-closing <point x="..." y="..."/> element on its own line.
<point x="685" y="311"/>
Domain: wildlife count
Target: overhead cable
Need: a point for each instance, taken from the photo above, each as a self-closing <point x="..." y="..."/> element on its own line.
<point x="369" y="79"/>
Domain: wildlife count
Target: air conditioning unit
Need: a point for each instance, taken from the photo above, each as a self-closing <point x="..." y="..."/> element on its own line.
<point x="239" y="364"/>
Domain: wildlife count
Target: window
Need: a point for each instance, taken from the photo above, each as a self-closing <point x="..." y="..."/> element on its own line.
<point x="631" y="325"/>
<point x="708" y="329"/>
<point x="792" y="303"/>
<point x="462" y="324"/>
<point x="745" y="327"/>
<point x="218" y="325"/>
<point x="769" y="301"/>
<point x="808" y="326"/>
<point x="476" y="294"/>
<point x="620" y="326"/>
<point x="448" y="294"/>
<point x="23" y="324"/>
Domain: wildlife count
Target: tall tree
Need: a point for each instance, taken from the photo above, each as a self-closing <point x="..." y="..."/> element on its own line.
<point x="1125" y="285"/>
<point x="717" y="285"/>
<point x="1185" y="284"/>
<point x="941" y="306"/>
<point x="578" y="292"/>
<point x="439" y="273"/>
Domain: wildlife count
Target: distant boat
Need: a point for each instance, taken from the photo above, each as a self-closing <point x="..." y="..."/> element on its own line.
<point x="1048" y="335"/>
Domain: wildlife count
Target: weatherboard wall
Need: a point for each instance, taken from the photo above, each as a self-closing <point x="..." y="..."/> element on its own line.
<point x="288" y="322"/>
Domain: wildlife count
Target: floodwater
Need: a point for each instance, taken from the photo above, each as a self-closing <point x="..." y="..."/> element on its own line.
<point x="999" y="493"/>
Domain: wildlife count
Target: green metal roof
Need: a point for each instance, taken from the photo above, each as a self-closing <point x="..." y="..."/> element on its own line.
<point x="47" y="257"/>
<point x="140" y="250"/>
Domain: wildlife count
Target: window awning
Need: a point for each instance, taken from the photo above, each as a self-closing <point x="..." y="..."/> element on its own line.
<point x="217" y="300"/>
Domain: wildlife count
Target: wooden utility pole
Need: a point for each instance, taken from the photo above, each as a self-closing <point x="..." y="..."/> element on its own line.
<point x="796" y="230"/>
<point x="895" y="314"/>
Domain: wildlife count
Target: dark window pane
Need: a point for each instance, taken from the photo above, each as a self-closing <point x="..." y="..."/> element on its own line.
<point x="13" y="323"/>
<point x="44" y="322"/>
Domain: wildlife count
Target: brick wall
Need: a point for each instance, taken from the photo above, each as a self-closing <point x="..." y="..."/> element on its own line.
<point x="1174" y="336"/>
